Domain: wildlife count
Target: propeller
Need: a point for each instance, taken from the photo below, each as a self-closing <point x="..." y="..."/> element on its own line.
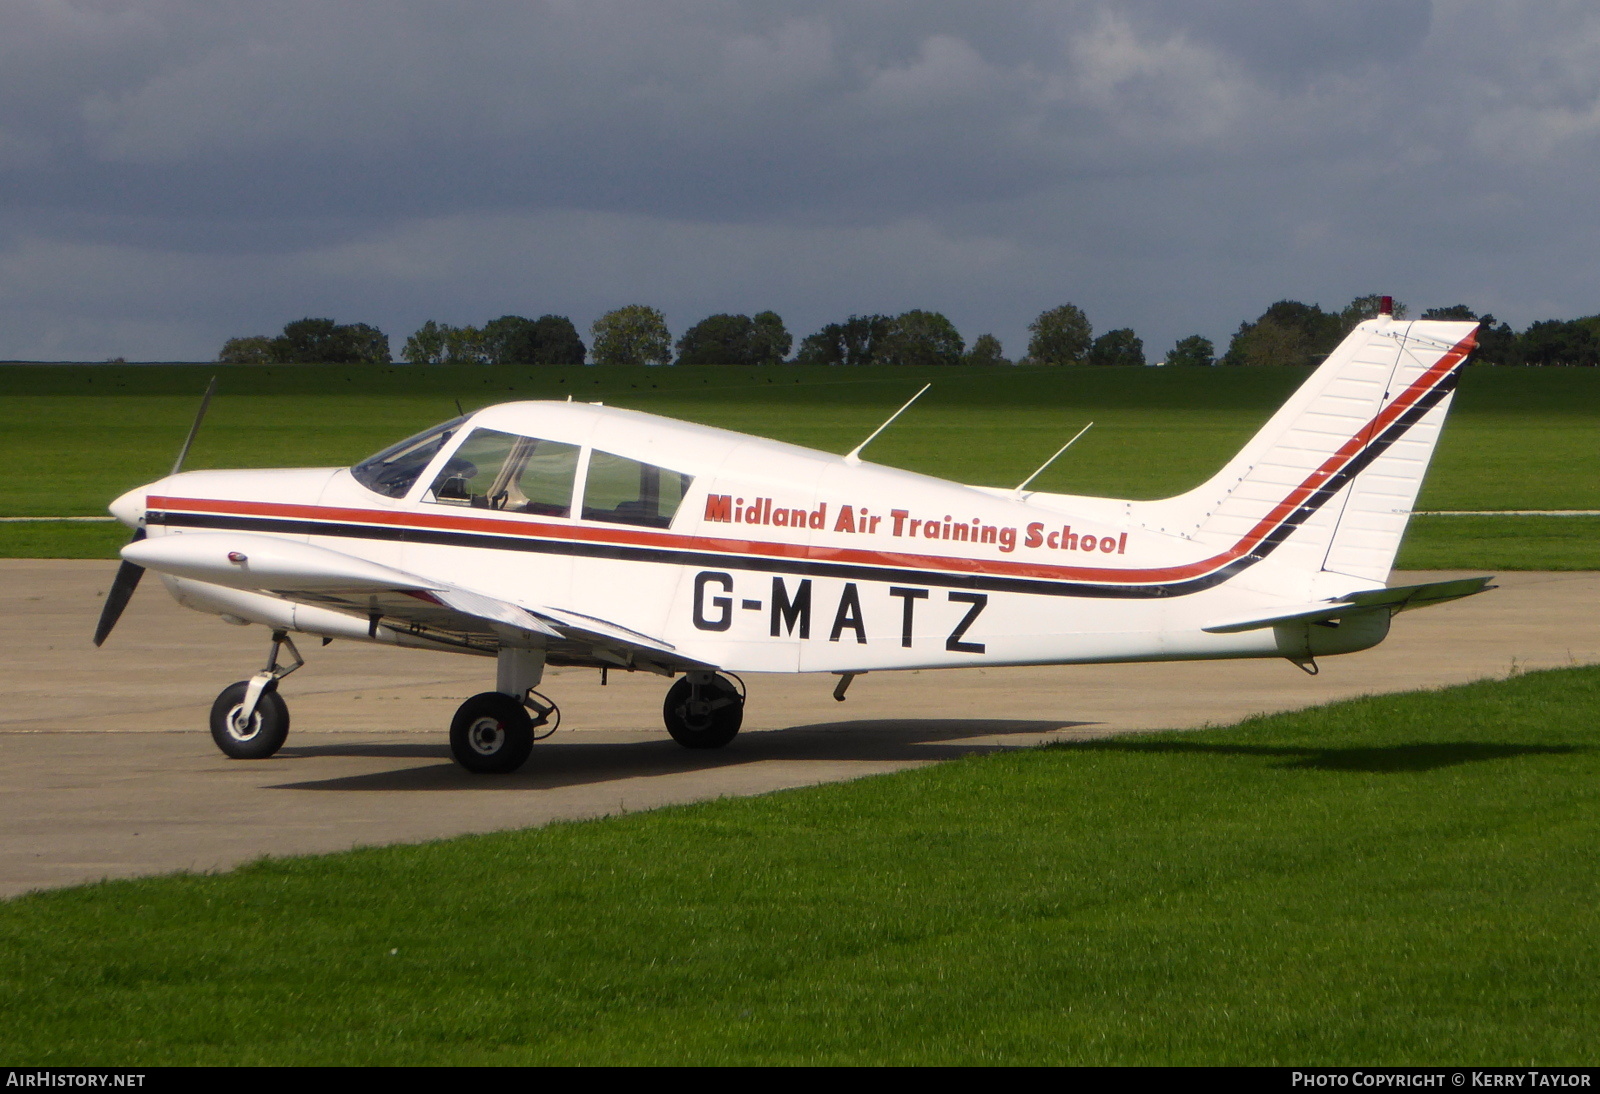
<point x="127" y="580"/>
<point x="129" y="573"/>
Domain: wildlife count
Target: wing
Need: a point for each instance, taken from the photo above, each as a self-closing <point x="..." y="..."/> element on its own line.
<point x="388" y="597"/>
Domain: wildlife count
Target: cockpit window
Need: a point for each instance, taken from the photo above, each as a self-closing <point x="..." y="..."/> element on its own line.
<point x="494" y="470"/>
<point x="393" y="471"/>
<point x="625" y="491"/>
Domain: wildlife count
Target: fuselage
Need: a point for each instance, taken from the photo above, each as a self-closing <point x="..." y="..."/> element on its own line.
<point x="755" y="555"/>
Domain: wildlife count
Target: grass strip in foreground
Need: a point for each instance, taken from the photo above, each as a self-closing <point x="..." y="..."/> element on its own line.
<point x="1405" y="879"/>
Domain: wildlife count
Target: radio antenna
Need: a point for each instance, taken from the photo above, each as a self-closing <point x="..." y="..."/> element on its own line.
<point x="854" y="455"/>
<point x="1018" y="491"/>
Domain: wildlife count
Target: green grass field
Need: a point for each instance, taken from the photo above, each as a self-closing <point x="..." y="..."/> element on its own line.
<point x="1517" y="439"/>
<point x="1407" y="879"/>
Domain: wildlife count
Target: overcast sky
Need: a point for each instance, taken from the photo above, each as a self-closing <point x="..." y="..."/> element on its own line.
<point x="176" y="172"/>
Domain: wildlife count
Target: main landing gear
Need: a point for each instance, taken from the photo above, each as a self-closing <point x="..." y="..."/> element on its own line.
<point x="493" y="732"/>
<point x="250" y="720"/>
<point x="704" y="710"/>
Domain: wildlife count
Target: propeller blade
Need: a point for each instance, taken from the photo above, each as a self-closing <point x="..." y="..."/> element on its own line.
<point x="129" y="573"/>
<point x="127" y="580"/>
<point x="205" y="401"/>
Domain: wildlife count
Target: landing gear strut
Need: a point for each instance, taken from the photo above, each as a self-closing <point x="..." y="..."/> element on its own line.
<point x="250" y="720"/>
<point x="703" y="710"/>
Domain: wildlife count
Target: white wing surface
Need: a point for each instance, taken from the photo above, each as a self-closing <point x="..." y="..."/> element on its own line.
<point x="394" y="601"/>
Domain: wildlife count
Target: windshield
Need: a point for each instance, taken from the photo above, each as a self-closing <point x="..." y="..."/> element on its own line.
<point x="393" y="471"/>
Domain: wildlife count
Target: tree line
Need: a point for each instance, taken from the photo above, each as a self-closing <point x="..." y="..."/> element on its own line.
<point x="1289" y="332"/>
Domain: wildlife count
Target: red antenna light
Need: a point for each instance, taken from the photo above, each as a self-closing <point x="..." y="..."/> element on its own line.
<point x="1386" y="306"/>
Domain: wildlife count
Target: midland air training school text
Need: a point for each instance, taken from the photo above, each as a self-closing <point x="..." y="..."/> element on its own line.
<point x="859" y="520"/>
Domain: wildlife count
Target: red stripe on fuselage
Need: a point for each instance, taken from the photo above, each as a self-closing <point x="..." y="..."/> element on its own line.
<point x="531" y="529"/>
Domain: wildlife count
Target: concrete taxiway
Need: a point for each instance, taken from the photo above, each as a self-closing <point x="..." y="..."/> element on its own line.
<point x="107" y="770"/>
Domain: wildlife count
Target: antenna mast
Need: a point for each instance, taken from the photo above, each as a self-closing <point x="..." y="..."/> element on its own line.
<point x="854" y="455"/>
<point x="1018" y="491"/>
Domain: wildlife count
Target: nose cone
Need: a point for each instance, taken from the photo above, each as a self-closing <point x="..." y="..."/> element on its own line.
<point x="129" y="508"/>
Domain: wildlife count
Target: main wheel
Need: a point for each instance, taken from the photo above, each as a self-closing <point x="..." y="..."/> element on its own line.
<point x="264" y="734"/>
<point x="491" y="734"/>
<point x="703" y="716"/>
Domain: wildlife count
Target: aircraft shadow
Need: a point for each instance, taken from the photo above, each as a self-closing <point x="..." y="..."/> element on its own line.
<point x="566" y="761"/>
<point x="1387" y="759"/>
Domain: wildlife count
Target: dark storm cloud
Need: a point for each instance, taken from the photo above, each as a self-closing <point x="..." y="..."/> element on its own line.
<point x="175" y="172"/>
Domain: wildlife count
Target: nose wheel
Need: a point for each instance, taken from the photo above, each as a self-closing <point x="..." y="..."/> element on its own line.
<point x="250" y="720"/>
<point x="703" y="710"/>
<point x="252" y="736"/>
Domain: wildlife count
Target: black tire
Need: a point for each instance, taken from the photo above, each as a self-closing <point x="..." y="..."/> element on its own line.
<point x="491" y="734"/>
<point x="709" y="721"/>
<point x="269" y="725"/>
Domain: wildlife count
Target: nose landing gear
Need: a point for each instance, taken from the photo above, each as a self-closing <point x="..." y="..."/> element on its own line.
<point x="703" y="710"/>
<point x="250" y="720"/>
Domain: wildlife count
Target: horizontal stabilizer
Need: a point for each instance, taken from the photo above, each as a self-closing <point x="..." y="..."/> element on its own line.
<point x="1402" y="598"/>
<point x="1399" y="599"/>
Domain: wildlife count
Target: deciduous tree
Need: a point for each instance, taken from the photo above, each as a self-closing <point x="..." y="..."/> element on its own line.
<point x="1117" y="347"/>
<point x="548" y="340"/>
<point x="986" y="350"/>
<point x="922" y="339"/>
<point x="1193" y="350"/>
<point x="326" y="342"/>
<point x="632" y="335"/>
<point x="1560" y="342"/>
<point x="1060" y="336"/>
<point x="508" y="340"/>
<point x="425" y="346"/>
<point x="772" y="339"/>
<point x="856" y="341"/>
<point x="365" y="344"/>
<point x="556" y="342"/>
<point x="1287" y="333"/>
<point x="253" y="350"/>
<point x="463" y="345"/>
<point x="720" y="339"/>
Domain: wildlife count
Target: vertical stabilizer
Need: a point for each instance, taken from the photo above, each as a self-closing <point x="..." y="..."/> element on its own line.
<point x="1329" y="482"/>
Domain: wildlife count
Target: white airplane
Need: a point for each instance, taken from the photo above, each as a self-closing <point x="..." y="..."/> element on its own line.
<point x="562" y="533"/>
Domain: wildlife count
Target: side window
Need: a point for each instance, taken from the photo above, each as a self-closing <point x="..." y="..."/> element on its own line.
<point x="625" y="491"/>
<point x="545" y="481"/>
<point x="494" y="470"/>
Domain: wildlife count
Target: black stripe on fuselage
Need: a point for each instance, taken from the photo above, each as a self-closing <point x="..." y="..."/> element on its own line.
<point x="844" y="570"/>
